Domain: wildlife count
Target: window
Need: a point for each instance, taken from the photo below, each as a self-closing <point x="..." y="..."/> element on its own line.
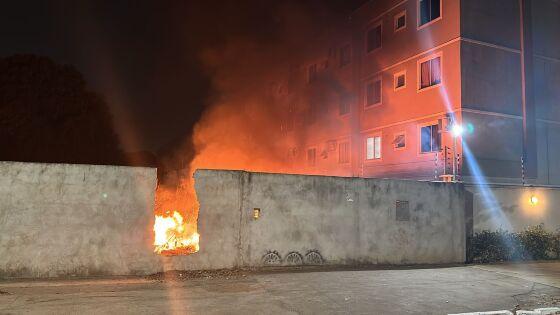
<point x="344" y="105"/>
<point x="311" y="155"/>
<point x="400" y="80"/>
<point x="373" y="40"/>
<point x="400" y="141"/>
<point x="343" y="152"/>
<point x="290" y="117"/>
<point x="429" y="10"/>
<point x="400" y="21"/>
<point x="345" y="55"/>
<point x="430" y="138"/>
<point x="373" y="148"/>
<point x="373" y="92"/>
<point x="430" y="72"/>
<point x="312" y="73"/>
<point x="310" y="113"/>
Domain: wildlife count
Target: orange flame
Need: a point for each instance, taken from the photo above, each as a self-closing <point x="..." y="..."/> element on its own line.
<point x="172" y="237"/>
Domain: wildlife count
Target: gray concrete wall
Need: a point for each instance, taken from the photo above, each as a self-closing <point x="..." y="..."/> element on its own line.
<point x="62" y="219"/>
<point x="83" y="220"/>
<point x="511" y="209"/>
<point x="346" y="220"/>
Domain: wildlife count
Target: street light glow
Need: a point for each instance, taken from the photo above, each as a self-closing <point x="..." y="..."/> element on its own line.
<point x="534" y="200"/>
<point x="457" y="130"/>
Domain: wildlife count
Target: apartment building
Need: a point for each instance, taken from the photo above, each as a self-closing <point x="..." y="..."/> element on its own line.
<point x="379" y="93"/>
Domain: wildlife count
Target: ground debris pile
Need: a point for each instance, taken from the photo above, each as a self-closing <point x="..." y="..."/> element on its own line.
<point x="178" y="275"/>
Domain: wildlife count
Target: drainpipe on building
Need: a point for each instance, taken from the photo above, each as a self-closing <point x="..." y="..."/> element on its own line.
<point x="529" y="153"/>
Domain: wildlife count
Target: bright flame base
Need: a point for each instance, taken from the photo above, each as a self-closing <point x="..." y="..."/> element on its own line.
<point x="172" y="236"/>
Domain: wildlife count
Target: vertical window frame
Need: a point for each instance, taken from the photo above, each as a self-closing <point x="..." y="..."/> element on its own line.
<point x="419" y="63"/>
<point x="373" y="136"/>
<point x="311" y="79"/>
<point x="313" y="148"/>
<point x="348" y="152"/>
<point x="365" y="87"/>
<point x="344" y="100"/>
<point x="340" y="61"/>
<point x="418" y="21"/>
<point x="372" y="27"/>
<point x="396" y="18"/>
<point x="395" y="78"/>
<point x="426" y="124"/>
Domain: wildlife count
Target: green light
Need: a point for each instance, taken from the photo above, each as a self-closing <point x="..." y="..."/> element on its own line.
<point x="470" y="128"/>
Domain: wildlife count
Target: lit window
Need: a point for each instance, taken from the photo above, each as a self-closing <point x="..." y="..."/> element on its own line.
<point x="430" y="138"/>
<point x="373" y="38"/>
<point x="343" y="152"/>
<point x="400" y="21"/>
<point x="311" y="155"/>
<point x="430" y="72"/>
<point x="400" y="141"/>
<point x="373" y="148"/>
<point x="400" y="80"/>
<point x="429" y="11"/>
<point x="373" y="92"/>
<point x="345" y="55"/>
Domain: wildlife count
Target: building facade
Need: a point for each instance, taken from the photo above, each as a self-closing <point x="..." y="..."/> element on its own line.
<point x="380" y="93"/>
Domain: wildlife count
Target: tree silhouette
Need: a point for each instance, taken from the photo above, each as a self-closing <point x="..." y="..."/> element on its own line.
<point x="47" y="114"/>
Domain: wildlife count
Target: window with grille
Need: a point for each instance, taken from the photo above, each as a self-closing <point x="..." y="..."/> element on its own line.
<point x="400" y="21"/>
<point x="343" y="152"/>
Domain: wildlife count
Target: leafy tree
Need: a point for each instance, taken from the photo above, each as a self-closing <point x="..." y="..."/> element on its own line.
<point x="47" y="114"/>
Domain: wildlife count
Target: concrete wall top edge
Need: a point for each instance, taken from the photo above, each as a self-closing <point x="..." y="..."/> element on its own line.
<point x="77" y="165"/>
<point x="210" y="171"/>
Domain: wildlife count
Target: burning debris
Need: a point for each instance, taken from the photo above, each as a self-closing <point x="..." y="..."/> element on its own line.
<point x="176" y="214"/>
<point x="172" y="236"/>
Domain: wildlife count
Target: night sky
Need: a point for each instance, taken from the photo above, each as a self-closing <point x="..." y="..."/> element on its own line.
<point x="143" y="56"/>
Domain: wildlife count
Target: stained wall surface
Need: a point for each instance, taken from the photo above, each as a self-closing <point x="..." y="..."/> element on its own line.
<point x="83" y="220"/>
<point x="509" y="208"/>
<point x="75" y="220"/>
<point x="345" y="220"/>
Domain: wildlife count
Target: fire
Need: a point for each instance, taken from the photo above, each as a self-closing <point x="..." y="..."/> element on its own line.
<point x="172" y="236"/>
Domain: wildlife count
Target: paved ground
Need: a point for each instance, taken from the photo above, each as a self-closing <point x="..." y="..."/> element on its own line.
<point x="408" y="291"/>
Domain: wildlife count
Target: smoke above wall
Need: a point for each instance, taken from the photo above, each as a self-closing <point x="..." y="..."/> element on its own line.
<point x="243" y="125"/>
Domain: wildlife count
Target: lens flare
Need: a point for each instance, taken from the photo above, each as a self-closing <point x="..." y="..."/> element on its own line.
<point x="457" y="130"/>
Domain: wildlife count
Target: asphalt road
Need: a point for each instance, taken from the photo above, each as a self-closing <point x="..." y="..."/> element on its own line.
<point x="404" y="291"/>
